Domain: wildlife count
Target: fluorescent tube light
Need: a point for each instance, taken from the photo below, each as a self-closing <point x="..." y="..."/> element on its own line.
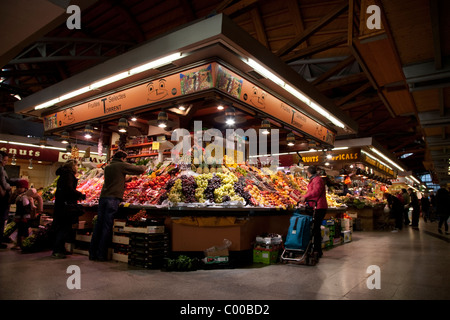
<point x="74" y="93"/>
<point x="387" y="159"/>
<point x="376" y="159"/>
<point x="263" y="71"/>
<point x="150" y="65"/>
<point x="47" y="104"/>
<point x="156" y="63"/>
<point x="297" y="94"/>
<point x="412" y="177"/>
<point x="109" y="80"/>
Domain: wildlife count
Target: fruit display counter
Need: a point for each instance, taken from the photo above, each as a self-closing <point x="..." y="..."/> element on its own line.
<point x="255" y="200"/>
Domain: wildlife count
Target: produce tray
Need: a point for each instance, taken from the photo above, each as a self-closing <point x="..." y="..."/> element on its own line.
<point x="148" y="229"/>
<point x="149" y="237"/>
<point x="120" y="257"/>
<point x="120" y="239"/>
<point x="147" y="254"/>
<point x="149" y="244"/>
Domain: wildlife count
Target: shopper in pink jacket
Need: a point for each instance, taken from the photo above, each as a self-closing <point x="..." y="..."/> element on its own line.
<point x="316" y="191"/>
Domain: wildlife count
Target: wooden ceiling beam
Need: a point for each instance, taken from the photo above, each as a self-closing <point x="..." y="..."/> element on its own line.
<point x="310" y="31"/>
<point x="354" y="78"/>
<point x="259" y="27"/>
<point x="360" y="103"/>
<point x="353" y="94"/>
<point x="338" y="67"/>
<point x="319" y="47"/>
<point x="297" y="20"/>
<point x="238" y="6"/>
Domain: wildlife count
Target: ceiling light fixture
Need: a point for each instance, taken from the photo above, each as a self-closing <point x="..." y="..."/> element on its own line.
<point x="312" y="145"/>
<point x="387" y="159"/>
<point x="123" y="125"/>
<point x="65" y="137"/>
<point x="230" y="116"/>
<point x="265" y="126"/>
<point x="43" y="142"/>
<point x="30" y="164"/>
<point x="220" y="107"/>
<point x="290" y="139"/>
<point x="295" y="92"/>
<point x="133" y="118"/>
<point x="88" y="131"/>
<point x="103" y="82"/>
<point x="13" y="160"/>
<point x="162" y="119"/>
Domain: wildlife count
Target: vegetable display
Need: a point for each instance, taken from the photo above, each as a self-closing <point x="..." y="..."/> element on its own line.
<point x="168" y="184"/>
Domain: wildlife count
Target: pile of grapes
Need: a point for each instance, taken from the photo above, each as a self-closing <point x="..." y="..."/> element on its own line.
<point x="213" y="184"/>
<point x="175" y="194"/>
<point x="188" y="186"/>
<point x="239" y="189"/>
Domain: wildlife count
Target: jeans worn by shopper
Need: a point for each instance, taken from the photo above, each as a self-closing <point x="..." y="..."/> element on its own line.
<point x="102" y="235"/>
<point x="318" y="218"/>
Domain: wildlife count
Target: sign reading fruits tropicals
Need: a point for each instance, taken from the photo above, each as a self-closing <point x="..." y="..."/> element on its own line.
<point x="209" y="76"/>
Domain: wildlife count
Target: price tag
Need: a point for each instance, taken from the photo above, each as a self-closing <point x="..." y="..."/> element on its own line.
<point x="155" y="146"/>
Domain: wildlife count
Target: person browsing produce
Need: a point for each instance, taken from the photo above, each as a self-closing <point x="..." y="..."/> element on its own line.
<point x="316" y="192"/>
<point x="66" y="194"/>
<point x="108" y="204"/>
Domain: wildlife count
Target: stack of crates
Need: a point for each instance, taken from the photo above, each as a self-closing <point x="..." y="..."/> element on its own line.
<point x="267" y="248"/>
<point x="148" y="250"/>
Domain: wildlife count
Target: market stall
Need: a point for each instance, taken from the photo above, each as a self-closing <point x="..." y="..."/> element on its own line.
<point x="197" y="116"/>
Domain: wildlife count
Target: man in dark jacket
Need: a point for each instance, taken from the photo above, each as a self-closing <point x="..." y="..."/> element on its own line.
<point x="415" y="205"/>
<point x="66" y="193"/>
<point x="443" y="208"/>
<point x="108" y="205"/>
<point x="396" y="207"/>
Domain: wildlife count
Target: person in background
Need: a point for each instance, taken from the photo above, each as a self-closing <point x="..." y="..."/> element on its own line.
<point x="5" y="195"/>
<point x="425" y="204"/>
<point x="443" y="208"/>
<point x="108" y="204"/>
<point x="316" y="191"/>
<point x="26" y="209"/>
<point x="396" y="207"/>
<point x="406" y="202"/>
<point x="432" y="206"/>
<point x="66" y="193"/>
<point x="415" y="204"/>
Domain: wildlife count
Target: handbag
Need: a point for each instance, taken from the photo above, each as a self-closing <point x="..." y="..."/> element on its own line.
<point x="74" y="211"/>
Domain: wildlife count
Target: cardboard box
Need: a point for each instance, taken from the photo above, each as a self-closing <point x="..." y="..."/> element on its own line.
<point x="345" y="224"/>
<point x="216" y="259"/>
<point x="325" y="231"/>
<point x="265" y="256"/>
<point x="347" y="236"/>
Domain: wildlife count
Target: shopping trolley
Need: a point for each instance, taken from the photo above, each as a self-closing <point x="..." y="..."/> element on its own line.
<point x="299" y="244"/>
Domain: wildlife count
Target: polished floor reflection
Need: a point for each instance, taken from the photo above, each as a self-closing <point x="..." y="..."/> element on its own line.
<point x="410" y="264"/>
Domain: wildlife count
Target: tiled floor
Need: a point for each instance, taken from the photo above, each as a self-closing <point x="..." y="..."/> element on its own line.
<point x="414" y="264"/>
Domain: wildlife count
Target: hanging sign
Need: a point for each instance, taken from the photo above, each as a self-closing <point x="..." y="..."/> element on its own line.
<point x="26" y="152"/>
<point x="377" y="165"/>
<point x="205" y="77"/>
<point x="319" y="158"/>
